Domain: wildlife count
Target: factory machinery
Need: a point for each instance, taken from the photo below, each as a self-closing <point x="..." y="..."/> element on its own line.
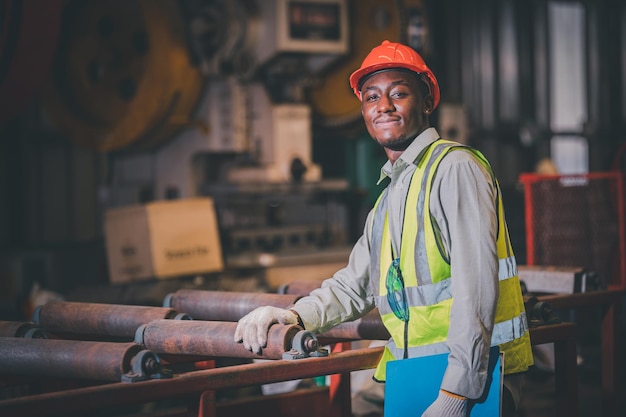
<point x="76" y="357"/>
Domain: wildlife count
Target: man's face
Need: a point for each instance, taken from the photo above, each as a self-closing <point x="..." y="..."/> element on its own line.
<point x="394" y="109"/>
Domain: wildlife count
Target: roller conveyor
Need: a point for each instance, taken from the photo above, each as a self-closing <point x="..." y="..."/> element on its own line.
<point x="216" y="339"/>
<point x="368" y="327"/>
<point x="302" y="288"/>
<point x="27" y="329"/>
<point x="112" y="320"/>
<point x="191" y="339"/>
<point x="98" y="361"/>
<point x="224" y="305"/>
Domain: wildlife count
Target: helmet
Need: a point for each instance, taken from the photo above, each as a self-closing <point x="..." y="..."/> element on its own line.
<point x="394" y="55"/>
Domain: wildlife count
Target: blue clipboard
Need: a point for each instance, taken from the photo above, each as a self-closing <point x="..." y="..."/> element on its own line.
<point x="413" y="384"/>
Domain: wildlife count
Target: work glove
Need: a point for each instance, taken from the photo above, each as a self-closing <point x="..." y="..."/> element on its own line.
<point x="447" y="405"/>
<point x="253" y="327"/>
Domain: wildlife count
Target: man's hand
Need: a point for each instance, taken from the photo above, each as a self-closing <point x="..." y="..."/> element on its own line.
<point x="253" y="327"/>
<point x="447" y="405"/>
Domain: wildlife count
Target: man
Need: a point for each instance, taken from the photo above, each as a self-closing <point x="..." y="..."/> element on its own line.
<point x="435" y="255"/>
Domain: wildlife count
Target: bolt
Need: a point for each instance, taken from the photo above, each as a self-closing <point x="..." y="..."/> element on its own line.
<point x="151" y="365"/>
<point x="311" y="344"/>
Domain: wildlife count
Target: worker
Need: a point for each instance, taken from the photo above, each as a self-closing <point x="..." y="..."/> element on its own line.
<point x="435" y="256"/>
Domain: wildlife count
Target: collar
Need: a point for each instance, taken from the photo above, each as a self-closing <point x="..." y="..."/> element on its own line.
<point x="411" y="154"/>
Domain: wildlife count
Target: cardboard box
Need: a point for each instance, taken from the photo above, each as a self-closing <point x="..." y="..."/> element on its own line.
<point x="162" y="239"/>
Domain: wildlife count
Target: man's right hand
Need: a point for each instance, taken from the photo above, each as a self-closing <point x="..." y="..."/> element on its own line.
<point x="253" y="327"/>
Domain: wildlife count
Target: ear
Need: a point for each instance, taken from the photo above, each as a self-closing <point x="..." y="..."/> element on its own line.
<point x="428" y="105"/>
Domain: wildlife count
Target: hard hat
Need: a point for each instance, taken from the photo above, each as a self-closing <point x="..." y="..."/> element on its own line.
<point x="394" y="55"/>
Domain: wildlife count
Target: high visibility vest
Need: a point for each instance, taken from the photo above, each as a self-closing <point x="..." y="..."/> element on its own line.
<point x="426" y="271"/>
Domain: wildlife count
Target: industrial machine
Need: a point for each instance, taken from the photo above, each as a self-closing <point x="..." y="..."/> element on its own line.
<point x="231" y="74"/>
<point x="222" y="98"/>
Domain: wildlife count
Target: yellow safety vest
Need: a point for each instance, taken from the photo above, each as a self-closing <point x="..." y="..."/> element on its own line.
<point x="426" y="271"/>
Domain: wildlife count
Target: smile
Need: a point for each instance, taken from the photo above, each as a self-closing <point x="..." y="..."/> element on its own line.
<point x="387" y="122"/>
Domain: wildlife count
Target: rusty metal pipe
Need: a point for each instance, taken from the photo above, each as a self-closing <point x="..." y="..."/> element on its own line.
<point x="301" y="287"/>
<point x="224" y="305"/>
<point x="26" y="329"/>
<point x="114" y="320"/>
<point x="101" y="361"/>
<point x="368" y="327"/>
<point x="211" y="338"/>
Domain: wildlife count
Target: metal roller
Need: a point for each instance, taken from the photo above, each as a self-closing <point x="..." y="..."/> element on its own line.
<point x="303" y="287"/>
<point x="224" y="305"/>
<point x="100" y="361"/>
<point x="95" y="319"/>
<point x="25" y="329"/>
<point x="539" y="312"/>
<point x="368" y="327"/>
<point x="215" y="339"/>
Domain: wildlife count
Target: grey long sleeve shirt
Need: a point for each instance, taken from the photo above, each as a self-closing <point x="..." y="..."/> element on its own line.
<point x="463" y="205"/>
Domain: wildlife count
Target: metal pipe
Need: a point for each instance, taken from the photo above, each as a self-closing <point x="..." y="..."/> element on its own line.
<point x="114" y="320"/>
<point x="301" y="287"/>
<point x="102" y="361"/>
<point x="211" y="338"/>
<point x="368" y="327"/>
<point x="224" y="305"/>
<point x="27" y="329"/>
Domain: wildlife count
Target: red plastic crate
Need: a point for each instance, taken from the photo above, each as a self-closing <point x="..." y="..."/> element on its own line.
<point x="577" y="220"/>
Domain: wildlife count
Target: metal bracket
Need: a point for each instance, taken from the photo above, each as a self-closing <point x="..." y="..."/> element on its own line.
<point x="540" y="313"/>
<point x="139" y="334"/>
<point x="146" y="365"/>
<point x="304" y="345"/>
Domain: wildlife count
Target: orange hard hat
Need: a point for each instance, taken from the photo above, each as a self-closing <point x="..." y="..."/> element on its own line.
<point x="394" y="55"/>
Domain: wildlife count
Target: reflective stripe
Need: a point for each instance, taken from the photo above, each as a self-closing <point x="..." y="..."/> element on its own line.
<point x="377" y="228"/>
<point x="421" y="296"/>
<point x="502" y="332"/>
<point x="507" y="268"/>
<point x="417" y="351"/>
<point x="437" y="260"/>
<point x="508" y="330"/>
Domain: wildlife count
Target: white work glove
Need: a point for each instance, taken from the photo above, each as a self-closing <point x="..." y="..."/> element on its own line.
<point x="446" y="406"/>
<point x="253" y="327"/>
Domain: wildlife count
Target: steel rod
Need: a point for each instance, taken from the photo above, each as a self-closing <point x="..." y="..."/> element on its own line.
<point x="114" y="320"/>
<point x="301" y="287"/>
<point x="368" y="327"/>
<point x="101" y="361"/>
<point x="224" y="305"/>
<point x="211" y="338"/>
